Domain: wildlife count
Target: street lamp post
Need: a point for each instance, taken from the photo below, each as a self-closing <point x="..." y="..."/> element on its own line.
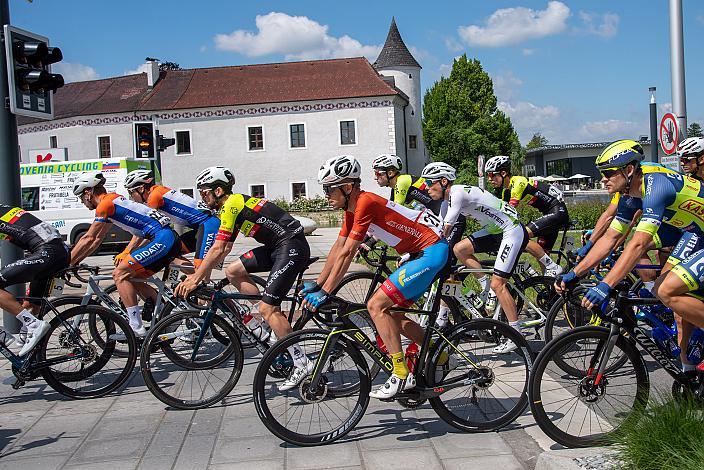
<point x="653" y="126"/>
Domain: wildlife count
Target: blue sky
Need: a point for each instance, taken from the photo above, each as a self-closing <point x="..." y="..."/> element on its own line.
<point x="577" y="71"/>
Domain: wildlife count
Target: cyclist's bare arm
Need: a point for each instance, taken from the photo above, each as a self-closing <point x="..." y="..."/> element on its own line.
<point x="341" y="262"/>
<point x="215" y="256"/>
<point x="331" y="260"/>
<point x="89" y="242"/>
<point x="602" y="248"/>
<point x="602" y="224"/>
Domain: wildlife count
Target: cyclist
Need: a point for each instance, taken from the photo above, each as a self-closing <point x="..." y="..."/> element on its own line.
<point x="408" y="231"/>
<point x="284" y="252"/>
<point x="669" y="199"/>
<point x="690" y="151"/>
<point x="502" y="233"/>
<point x="48" y="254"/>
<point x="182" y="209"/>
<point x="544" y="197"/>
<point x="160" y="248"/>
<point x="412" y="192"/>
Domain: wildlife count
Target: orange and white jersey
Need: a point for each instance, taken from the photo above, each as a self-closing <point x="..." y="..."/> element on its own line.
<point x="182" y="209"/>
<point x="130" y="216"/>
<point x="407" y="230"/>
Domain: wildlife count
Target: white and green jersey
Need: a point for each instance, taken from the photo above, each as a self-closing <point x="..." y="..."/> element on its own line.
<point x="492" y="213"/>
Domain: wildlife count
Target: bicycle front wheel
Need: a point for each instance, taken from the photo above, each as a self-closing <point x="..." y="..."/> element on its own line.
<point x="484" y="390"/>
<point x="81" y="366"/>
<point x="184" y="377"/>
<point x="305" y="416"/>
<point x="576" y="409"/>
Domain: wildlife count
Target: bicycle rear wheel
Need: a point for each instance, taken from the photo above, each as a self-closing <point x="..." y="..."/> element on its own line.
<point x="85" y="368"/>
<point x="569" y="407"/>
<point x="484" y="390"/>
<point x="308" y="417"/>
<point x="175" y="376"/>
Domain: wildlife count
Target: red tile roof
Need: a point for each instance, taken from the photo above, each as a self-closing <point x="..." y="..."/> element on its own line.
<point x="222" y="86"/>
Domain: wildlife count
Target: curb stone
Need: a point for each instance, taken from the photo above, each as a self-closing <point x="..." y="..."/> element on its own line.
<point x="577" y="459"/>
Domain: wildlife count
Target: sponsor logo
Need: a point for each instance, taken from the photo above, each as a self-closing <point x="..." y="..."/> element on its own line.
<point x="413" y="276"/>
<point x="505" y="252"/>
<point x="271" y="225"/>
<point x="273" y="276"/>
<point x="144" y="254"/>
<point x="694" y="207"/>
<point x="293" y="252"/>
<point x="248" y="255"/>
<point x="404" y="228"/>
<point x="490" y="213"/>
<point x="373" y="350"/>
<point x="649" y="185"/>
<point x="401" y="276"/>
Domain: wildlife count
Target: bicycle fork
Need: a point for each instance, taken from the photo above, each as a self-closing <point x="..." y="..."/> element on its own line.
<point x="603" y="357"/>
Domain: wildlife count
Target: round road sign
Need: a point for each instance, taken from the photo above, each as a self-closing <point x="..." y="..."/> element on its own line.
<point x="669" y="134"/>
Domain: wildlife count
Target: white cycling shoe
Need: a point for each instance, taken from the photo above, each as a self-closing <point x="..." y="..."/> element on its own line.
<point x="393" y="386"/>
<point x="35" y="332"/>
<point x="296" y="376"/>
<point x="554" y="272"/>
<point x="139" y="332"/>
<point x="505" y="347"/>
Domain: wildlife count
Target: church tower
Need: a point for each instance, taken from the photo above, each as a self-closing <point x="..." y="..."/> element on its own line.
<point x="395" y="60"/>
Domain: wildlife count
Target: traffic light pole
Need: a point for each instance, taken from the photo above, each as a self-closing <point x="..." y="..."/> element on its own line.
<point x="9" y="169"/>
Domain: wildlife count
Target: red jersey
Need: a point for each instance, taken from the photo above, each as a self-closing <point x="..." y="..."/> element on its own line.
<point x="407" y="230"/>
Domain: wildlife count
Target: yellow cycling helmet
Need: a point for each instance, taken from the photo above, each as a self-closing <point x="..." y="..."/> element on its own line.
<point x="619" y="154"/>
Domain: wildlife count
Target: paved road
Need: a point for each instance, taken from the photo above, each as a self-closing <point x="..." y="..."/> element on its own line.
<point x="41" y="429"/>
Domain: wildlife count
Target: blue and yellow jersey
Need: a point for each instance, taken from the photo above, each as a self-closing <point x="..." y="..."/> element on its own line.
<point x="673" y="199"/>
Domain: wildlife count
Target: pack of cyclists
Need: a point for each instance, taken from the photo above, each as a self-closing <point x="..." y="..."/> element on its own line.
<point x="424" y="219"/>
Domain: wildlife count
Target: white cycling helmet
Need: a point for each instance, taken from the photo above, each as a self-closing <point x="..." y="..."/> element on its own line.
<point x="137" y="178"/>
<point x="215" y="175"/>
<point x="387" y="161"/>
<point x="436" y="170"/>
<point x="497" y="163"/>
<point x="87" y="181"/>
<point x="691" y="147"/>
<point x="339" y="169"/>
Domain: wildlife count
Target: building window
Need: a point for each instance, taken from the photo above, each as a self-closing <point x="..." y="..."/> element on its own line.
<point x="104" y="146"/>
<point x="347" y="133"/>
<point x="187" y="191"/>
<point x="298" y="190"/>
<point x="256" y="138"/>
<point x="257" y="190"/>
<point x="183" y="142"/>
<point x="298" y="135"/>
<point x="53" y="142"/>
<point x="412" y="142"/>
<point x="562" y="167"/>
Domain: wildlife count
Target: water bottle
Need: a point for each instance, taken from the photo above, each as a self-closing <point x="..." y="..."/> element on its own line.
<point x="412" y="356"/>
<point x="477" y="301"/>
<point x="666" y="342"/>
<point x="260" y="330"/>
<point x="695" y="347"/>
<point x="491" y="301"/>
<point x="569" y="243"/>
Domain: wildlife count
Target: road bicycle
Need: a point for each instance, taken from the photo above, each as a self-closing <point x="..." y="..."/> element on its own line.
<point x="606" y="383"/>
<point x="193" y="359"/>
<point x="468" y="385"/>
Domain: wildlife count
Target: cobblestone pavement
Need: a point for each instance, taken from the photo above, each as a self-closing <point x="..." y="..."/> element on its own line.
<point x="131" y="429"/>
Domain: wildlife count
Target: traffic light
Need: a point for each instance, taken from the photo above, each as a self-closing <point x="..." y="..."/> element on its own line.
<point x="144" y="140"/>
<point x="32" y="84"/>
<point x="164" y="142"/>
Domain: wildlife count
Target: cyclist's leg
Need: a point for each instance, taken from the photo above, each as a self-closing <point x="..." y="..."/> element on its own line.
<point x="478" y="242"/>
<point x="547" y="229"/>
<point x="512" y="245"/>
<point x="453" y="238"/>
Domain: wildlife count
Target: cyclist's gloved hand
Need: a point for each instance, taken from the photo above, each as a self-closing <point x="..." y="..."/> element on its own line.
<point x="309" y="286"/>
<point x="317" y="298"/>
<point x="570" y="279"/>
<point x="598" y="294"/>
<point x="404" y="257"/>
<point x="119" y="257"/>
<point x="582" y="252"/>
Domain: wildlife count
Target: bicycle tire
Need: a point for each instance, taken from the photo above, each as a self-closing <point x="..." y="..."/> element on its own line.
<point x="446" y="404"/>
<point x="112" y="368"/>
<point x="310" y="341"/>
<point x="546" y="419"/>
<point x="544" y="292"/>
<point x="160" y="368"/>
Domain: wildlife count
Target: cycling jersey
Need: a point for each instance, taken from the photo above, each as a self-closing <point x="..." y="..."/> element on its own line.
<point x="24" y="229"/>
<point x="135" y="218"/>
<point x="406" y="230"/>
<point x="181" y="208"/>
<point x="412" y="192"/>
<point x="674" y="199"/>
<point x="257" y="218"/>
<point x="410" y="280"/>
<point x="538" y="194"/>
<point x="491" y="212"/>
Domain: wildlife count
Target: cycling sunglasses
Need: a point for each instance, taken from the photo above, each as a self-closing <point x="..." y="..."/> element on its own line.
<point x="328" y="190"/>
<point x="609" y="173"/>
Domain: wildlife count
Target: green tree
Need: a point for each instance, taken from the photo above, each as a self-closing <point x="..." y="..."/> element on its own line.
<point x="169" y="66"/>
<point x="461" y="121"/>
<point x="695" y="130"/>
<point x="538" y="140"/>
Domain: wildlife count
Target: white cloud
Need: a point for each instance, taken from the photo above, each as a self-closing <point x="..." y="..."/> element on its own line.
<point x="141" y="69"/>
<point x="73" y="72"/>
<point x="528" y="52"/>
<point x="445" y="69"/>
<point x="294" y="37"/>
<point x="665" y="108"/>
<point x="452" y="45"/>
<point x="604" y="25"/>
<point x="510" y="26"/>
<point x="611" y="129"/>
<point x="528" y="118"/>
<point x="506" y="86"/>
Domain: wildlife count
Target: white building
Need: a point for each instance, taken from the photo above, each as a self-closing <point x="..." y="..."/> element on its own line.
<point x="272" y="124"/>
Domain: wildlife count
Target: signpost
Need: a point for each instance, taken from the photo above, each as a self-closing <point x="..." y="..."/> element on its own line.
<point x="669" y="134"/>
<point x="480" y="170"/>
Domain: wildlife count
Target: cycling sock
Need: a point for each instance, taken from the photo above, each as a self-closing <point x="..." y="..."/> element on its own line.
<point x="399" y="361"/>
<point x="299" y="359"/>
<point x="135" y="316"/>
<point x="483" y="281"/>
<point x="547" y="262"/>
<point x="443" y="315"/>
<point x="26" y="317"/>
<point x="688" y="367"/>
<point x="649" y="285"/>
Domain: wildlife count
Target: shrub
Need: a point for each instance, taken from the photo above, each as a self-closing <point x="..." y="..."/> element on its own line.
<point x="668" y="434"/>
<point x="302" y="204"/>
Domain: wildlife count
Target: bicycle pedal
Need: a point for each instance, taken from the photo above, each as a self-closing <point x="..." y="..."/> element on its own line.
<point x="18" y="383"/>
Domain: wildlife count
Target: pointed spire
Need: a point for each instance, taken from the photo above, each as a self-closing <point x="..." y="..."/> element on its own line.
<point x="395" y="53"/>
